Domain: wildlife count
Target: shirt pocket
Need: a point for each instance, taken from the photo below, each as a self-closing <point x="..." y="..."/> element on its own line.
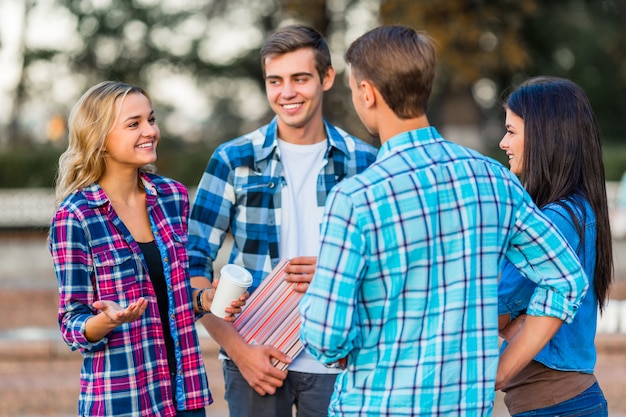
<point x="178" y="264"/>
<point x="117" y="274"/>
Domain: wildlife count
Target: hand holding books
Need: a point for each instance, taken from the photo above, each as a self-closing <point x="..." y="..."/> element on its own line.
<point x="270" y="316"/>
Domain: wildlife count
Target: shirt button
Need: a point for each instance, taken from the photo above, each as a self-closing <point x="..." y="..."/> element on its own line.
<point x="166" y="259"/>
<point x="271" y="185"/>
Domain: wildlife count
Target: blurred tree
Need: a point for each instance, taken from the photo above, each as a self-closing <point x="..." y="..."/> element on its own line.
<point x="9" y="135"/>
<point x="487" y="45"/>
<point x="200" y="60"/>
<point x="314" y="11"/>
<point x="208" y="49"/>
<point x="475" y="38"/>
<point x="584" y="41"/>
<point x="476" y="41"/>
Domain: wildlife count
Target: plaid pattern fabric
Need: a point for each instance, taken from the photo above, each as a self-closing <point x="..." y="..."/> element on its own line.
<point x="406" y="281"/>
<point x="96" y="258"/>
<point x="240" y="192"/>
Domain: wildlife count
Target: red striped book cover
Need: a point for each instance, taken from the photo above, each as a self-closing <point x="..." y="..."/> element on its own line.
<point x="270" y="316"/>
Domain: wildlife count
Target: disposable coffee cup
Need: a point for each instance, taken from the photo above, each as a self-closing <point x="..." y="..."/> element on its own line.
<point x="234" y="281"/>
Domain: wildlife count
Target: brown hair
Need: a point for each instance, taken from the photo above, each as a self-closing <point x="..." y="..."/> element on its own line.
<point x="400" y="63"/>
<point x="294" y="37"/>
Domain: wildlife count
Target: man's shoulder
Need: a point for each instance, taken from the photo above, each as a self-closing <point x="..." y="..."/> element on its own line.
<point x="360" y="182"/>
<point x="250" y="139"/>
<point x="247" y="147"/>
<point x="351" y="142"/>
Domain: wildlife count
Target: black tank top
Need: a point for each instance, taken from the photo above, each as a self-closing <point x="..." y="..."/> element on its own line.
<point x="155" y="270"/>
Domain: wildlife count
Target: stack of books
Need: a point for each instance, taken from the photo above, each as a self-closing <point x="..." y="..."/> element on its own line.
<point x="270" y="316"/>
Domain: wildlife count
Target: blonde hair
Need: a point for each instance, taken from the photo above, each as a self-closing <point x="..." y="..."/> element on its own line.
<point x="90" y="121"/>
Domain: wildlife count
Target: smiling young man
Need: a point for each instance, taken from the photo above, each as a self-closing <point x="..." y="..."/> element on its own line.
<point x="268" y="189"/>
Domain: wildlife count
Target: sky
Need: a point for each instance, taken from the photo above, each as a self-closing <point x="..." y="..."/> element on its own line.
<point x="51" y="26"/>
<point x="48" y="26"/>
<point x="56" y="88"/>
<point x="9" y="57"/>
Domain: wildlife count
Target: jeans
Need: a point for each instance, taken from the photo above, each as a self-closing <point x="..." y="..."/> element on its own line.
<point x="200" y="412"/>
<point x="588" y="403"/>
<point x="309" y="393"/>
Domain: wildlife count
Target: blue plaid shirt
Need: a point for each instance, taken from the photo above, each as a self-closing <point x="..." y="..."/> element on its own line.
<point x="406" y="284"/>
<point x="240" y="192"/>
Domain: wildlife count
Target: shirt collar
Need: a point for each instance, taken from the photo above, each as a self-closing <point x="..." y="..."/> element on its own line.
<point x="409" y="139"/>
<point x="269" y="146"/>
<point x="96" y="197"/>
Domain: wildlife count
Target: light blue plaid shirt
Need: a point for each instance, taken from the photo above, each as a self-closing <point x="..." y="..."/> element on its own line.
<point x="407" y="276"/>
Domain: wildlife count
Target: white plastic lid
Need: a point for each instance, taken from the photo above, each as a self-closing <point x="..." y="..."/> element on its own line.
<point x="237" y="275"/>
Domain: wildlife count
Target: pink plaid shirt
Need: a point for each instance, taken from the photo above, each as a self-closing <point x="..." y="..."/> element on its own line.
<point x="96" y="258"/>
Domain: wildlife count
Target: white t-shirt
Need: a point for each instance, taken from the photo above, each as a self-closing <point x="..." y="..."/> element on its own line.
<point x="301" y="217"/>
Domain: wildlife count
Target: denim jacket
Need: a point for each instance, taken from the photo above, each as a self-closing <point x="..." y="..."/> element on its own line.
<point x="572" y="347"/>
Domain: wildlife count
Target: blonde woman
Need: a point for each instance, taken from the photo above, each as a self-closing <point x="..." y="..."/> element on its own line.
<point x="118" y="242"/>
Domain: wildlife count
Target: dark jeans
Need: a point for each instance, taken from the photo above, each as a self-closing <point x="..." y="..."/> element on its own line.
<point x="192" y="413"/>
<point x="588" y="403"/>
<point x="309" y="393"/>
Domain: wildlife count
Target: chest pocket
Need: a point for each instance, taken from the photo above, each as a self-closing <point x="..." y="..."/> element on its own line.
<point x="117" y="275"/>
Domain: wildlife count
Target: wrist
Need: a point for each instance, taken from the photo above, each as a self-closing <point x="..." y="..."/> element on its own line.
<point x="199" y="300"/>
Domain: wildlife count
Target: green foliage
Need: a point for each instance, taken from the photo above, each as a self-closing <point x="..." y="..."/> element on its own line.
<point x="37" y="167"/>
<point x="183" y="163"/>
<point x="614" y="160"/>
<point x="584" y="41"/>
<point x="141" y="41"/>
<point x="29" y="168"/>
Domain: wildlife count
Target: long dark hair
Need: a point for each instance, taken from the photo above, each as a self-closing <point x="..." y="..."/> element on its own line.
<point x="563" y="160"/>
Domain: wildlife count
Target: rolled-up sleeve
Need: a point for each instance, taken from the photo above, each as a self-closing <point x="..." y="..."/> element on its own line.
<point x="560" y="278"/>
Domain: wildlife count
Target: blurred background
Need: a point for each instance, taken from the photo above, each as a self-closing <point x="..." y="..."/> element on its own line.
<point x="199" y="60"/>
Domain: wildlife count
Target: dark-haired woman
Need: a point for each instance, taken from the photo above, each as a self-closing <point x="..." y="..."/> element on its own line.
<point x="553" y="144"/>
